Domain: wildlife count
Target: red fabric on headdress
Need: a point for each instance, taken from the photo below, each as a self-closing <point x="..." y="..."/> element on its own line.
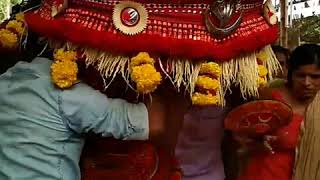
<point x="253" y="33"/>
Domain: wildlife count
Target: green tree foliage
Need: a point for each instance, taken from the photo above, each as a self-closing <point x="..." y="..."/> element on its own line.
<point x="309" y="28"/>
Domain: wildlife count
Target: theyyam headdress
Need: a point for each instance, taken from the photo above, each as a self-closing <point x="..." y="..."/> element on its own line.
<point x="205" y="46"/>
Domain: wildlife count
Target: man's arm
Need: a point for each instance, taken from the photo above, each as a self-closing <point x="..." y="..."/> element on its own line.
<point x="86" y="110"/>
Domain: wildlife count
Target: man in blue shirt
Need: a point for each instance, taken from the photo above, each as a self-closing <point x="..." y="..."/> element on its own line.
<point x="42" y="127"/>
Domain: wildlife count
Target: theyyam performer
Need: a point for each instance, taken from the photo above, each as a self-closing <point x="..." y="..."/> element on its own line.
<point x="164" y="52"/>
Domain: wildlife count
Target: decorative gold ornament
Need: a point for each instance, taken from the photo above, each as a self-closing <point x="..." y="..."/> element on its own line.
<point x="130" y="17"/>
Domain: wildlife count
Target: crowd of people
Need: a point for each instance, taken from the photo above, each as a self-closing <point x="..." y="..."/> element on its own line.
<point x="199" y="141"/>
<point x="43" y="129"/>
<point x="297" y="85"/>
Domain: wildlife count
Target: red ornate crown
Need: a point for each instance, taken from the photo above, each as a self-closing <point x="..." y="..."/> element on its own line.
<point x="186" y="28"/>
<point x="203" y="45"/>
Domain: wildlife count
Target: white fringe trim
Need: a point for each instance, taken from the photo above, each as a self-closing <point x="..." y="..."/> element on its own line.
<point x="241" y="71"/>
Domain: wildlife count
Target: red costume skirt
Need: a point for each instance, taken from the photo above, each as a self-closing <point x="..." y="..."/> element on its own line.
<point x="125" y="160"/>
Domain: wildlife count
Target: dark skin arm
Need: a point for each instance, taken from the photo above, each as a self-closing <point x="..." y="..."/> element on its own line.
<point x="169" y="107"/>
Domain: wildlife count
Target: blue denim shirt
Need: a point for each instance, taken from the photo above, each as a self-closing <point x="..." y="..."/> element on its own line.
<point x="41" y="127"/>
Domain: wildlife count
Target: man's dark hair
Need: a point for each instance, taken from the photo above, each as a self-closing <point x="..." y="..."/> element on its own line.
<point x="303" y="55"/>
<point x="280" y="49"/>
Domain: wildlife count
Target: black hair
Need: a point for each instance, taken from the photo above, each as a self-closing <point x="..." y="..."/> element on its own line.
<point x="280" y="49"/>
<point x="303" y="55"/>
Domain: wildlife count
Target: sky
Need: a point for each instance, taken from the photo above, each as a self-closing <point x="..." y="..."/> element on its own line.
<point x="300" y="8"/>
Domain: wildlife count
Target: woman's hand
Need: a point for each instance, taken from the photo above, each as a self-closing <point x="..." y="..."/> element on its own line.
<point x="266" y="144"/>
<point x="268" y="141"/>
<point x="242" y="139"/>
<point x="275" y="141"/>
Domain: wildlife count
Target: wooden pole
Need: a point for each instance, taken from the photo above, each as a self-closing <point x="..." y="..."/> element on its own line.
<point x="283" y="23"/>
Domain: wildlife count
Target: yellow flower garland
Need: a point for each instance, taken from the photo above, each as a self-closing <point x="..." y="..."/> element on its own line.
<point x="20" y="17"/>
<point x="262" y="81"/>
<point x="141" y="58"/>
<point x="16" y="26"/>
<point x="64" y="70"/>
<point x="208" y="83"/>
<point x="144" y="74"/>
<point x="64" y="73"/>
<point x="8" y="39"/>
<point x="204" y="99"/>
<point x="146" y="78"/>
<point x="262" y="57"/>
<point x="210" y="68"/>
<point x="263" y="71"/>
<point x="62" y="55"/>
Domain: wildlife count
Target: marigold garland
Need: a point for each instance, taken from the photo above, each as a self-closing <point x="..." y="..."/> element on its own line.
<point x="263" y="71"/>
<point x="262" y="57"/>
<point x="64" y="70"/>
<point x="146" y="78"/>
<point x="144" y="74"/>
<point x="62" y="55"/>
<point x="16" y="26"/>
<point x="208" y="85"/>
<point x="20" y="17"/>
<point x="204" y="99"/>
<point x="64" y="73"/>
<point x="210" y="68"/>
<point x="8" y="39"/>
<point x="141" y="58"/>
<point x="262" y="81"/>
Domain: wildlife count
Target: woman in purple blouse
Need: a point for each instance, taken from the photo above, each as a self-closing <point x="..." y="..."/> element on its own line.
<point x="199" y="144"/>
